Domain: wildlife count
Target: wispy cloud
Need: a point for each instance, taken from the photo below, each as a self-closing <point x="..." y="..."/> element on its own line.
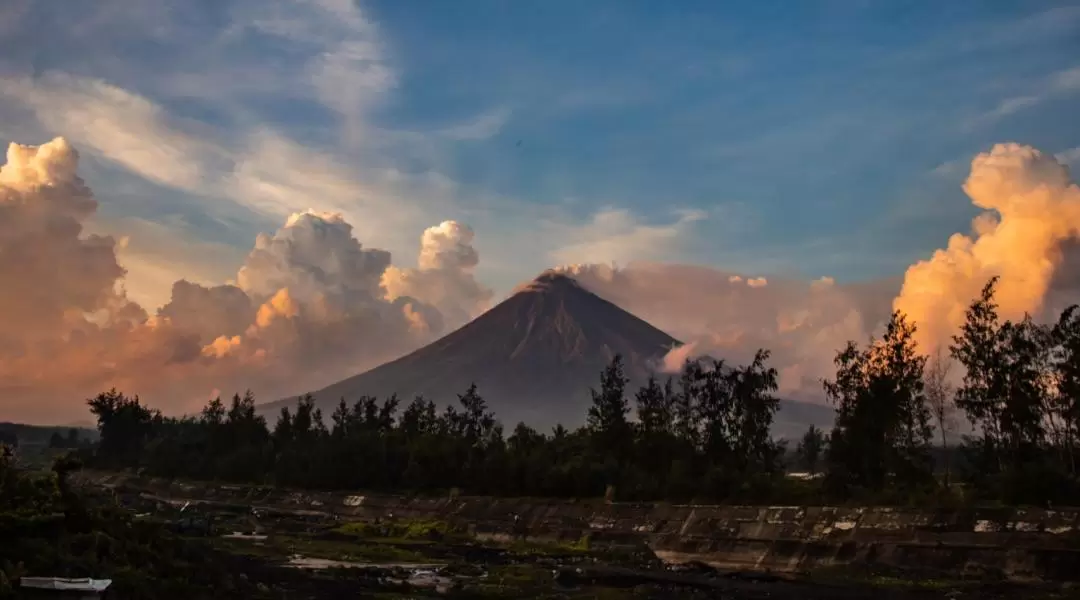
<point x="1059" y="84"/>
<point x="1070" y="156"/>
<point x="617" y="236"/>
<point x="482" y="127"/>
<point x="123" y="127"/>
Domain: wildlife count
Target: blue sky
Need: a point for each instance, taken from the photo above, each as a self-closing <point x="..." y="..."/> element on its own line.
<point x="824" y="138"/>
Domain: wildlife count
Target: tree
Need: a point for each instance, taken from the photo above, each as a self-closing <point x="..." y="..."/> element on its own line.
<point x="607" y="417"/>
<point x="810" y="449"/>
<point x="125" y="426"/>
<point x="1006" y="393"/>
<point x="753" y="407"/>
<point x="882" y="429"/>
<point x="939" y="400"/>
<point x="1066" y="398"/>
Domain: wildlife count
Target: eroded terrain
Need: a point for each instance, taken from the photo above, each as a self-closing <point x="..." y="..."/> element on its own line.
<point x="313" y="554"/>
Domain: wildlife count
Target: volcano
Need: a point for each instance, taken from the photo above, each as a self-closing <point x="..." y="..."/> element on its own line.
<point x="533" y="357"/>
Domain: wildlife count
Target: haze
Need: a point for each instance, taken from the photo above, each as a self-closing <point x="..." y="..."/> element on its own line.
<point x="202" y="198"/>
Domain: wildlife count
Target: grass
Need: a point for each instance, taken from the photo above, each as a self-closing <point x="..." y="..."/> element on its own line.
<point x="888" y="579"/>
<point x="404" y="530"/>
<point x="283" y="546"/>
<point x="549" y="548"/>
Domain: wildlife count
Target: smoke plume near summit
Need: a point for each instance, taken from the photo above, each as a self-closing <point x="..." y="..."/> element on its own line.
<point x="311" y="304"/>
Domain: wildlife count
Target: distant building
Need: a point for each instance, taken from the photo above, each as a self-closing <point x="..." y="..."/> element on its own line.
<point x="66" y="589"/>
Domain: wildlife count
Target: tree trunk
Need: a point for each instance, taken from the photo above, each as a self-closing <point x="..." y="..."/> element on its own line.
<point x="945" y="453"/>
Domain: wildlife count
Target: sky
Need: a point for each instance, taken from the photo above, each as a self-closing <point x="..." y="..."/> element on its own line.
<point x="771" y="141"/>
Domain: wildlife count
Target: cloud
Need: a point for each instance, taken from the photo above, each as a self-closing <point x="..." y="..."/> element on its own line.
<point x="50" y="275"/>
<point x="715" y="312"/>
<point x="1032" y="212"/>
<point x="444" y="277"/>
<point x="155" y="254"/>
<point x="311" y="304"/>
<point x="1070" y="156"/>
<point x="1061" y="83"/>
<point x="482" y="127"/>
<point x="123" y="127"/>
<point x="616" y="235"/>
<point x="1028" y="236"/>
<point x="308" y="306"/>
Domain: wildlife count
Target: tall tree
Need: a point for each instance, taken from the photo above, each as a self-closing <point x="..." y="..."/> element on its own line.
<point x="1066" y="399"/>
<point x="753" y="407"/>
<point x="810" y="449"/>
<point x="882" y="429"/>
<point x="939" y="398"/>
<point x="607" y="417"/>
<point x="1006" y="385"/>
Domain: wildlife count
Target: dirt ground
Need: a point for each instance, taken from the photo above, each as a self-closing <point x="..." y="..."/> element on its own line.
<point x="294" y="557"/>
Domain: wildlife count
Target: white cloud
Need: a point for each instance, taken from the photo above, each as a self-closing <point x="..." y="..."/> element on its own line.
<point x="157" y="254"/>
<point x="616" y="235"/>
<point x="121" y="126"/>
<point x="481" y="127"/>
<point x="1070" y="156"/>
<point x="308" y="307"/>
<point x="1061" y="83"/>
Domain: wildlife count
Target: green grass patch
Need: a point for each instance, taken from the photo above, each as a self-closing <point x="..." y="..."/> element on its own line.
<point x="281" y="547"/>
<point x="402" y="529"/>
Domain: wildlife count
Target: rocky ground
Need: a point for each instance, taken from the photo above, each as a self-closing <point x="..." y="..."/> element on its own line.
<point x="313" y="556"/>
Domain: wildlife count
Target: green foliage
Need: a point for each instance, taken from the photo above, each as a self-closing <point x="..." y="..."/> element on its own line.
<point x="882" y="433"/>
<point x="713" y="428"/>
<point x="811" y="447"/>
<point x="703" y="435"/>
<point x="50" y="529"/>
<point x="1021" y="390"/>
<point x="399" y="529"/>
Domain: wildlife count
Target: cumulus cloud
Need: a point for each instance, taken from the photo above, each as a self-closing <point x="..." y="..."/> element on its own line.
<point x="444" y="277"/>
<point x="1032" y="215"/>
<point x="308" y="305"/>
<point x="50" y="275"/>
<point x="1027" y="237"/>
<point x="721" y="314"/>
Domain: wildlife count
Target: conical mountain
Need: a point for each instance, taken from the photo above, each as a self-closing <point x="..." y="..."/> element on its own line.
<point x="533" y="356"/>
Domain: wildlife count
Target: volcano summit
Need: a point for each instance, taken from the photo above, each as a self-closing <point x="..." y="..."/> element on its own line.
<point x="533" y="357"/>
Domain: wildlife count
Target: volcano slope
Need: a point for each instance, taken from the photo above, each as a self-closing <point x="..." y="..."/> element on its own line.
<point x="533" y="357"/>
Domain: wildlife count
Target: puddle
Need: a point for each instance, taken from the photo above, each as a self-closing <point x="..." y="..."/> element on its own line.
<point x="426" y="578"/>
<point x="236" y="535"/>
<point x="304" y="562"/>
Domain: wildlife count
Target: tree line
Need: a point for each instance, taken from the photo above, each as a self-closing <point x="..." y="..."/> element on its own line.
<point x="703" y="434"/>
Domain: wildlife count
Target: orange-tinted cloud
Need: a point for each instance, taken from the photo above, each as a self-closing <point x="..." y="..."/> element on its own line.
<point x="309" y="305"/>
<point x="729" y="315"/>
<point x="1025" y="237"/>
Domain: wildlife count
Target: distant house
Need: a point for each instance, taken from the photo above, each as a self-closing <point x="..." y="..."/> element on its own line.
<point x="60" y="588"/>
